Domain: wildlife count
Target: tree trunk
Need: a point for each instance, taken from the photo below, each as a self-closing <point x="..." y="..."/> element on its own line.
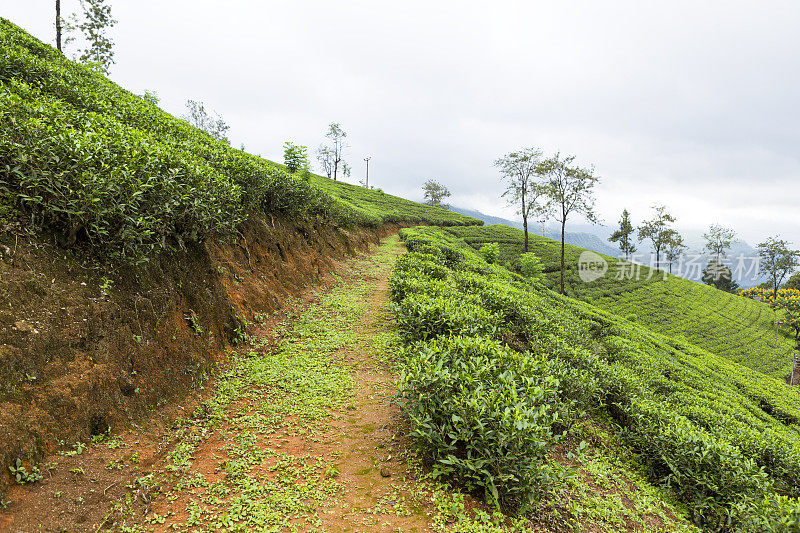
<point x="563" y="223"/>
<point x="58" y="25"/>
<point x="525" y="220"/>
<point x="525" y="229"/>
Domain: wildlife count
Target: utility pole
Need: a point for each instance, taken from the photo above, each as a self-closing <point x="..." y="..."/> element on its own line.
<point x="367" y="160"/>
<point x="58" y="25"/>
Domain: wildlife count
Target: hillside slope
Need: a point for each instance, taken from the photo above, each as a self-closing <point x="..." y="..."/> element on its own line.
<point x="737" y="328"/>
<point x="374" y="204"/>
<point x="499" y="369"/>
<point x="576" y="238"/>
<point x="134" y="249"/>
<point x="108" y="170"/>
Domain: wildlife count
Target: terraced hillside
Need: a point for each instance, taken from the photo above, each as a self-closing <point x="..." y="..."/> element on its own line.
<point x="737" y="328"/>
<point x="498" y="370"/>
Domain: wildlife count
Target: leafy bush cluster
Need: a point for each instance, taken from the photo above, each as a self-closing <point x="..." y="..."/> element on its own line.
<point x="724" y="439"/>
<point x="485" y="414"/>
<point x="530" y="266"/>
<point x="490" y="252"/>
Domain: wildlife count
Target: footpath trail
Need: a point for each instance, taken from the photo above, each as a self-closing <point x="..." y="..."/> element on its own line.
<point x="298" y="433"/>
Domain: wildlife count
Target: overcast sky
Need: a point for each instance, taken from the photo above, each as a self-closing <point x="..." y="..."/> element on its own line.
<point x="691" y="104"/>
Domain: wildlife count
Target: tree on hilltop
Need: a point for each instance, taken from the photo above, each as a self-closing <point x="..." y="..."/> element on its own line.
<point x="719" y="240"/>
<point x="657" y="230"/>
<point x="522" y="171"/>
<point x="570" y="189"/>
<point x="59" y="25"/>
<point x="200" y="118"/>
<point x="331" y="156"/>
<point x="95" y="21"/>
<point x="435" y="192"/>
<point x="674" y="248"/>
<point x="623" y="235"/>
<point x="776" y="261"/>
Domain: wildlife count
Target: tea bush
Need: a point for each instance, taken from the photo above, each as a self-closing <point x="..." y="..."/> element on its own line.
<point x="423" y="317"/>
<point x="485" y="413"/>
<point x="490" y="252"/>
<point x="530" y="266"/>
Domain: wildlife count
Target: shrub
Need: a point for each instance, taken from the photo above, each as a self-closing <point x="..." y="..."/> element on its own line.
<point x="484" y="414"/>
<point x="490" y="252"/>
<point x="530" y="266"/>
<point x="422" y="317"/>
<point x="720" y="485"/>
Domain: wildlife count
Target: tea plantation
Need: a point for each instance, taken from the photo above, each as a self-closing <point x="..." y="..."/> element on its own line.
<point x="107" y="169"/>
<point x="497" y="368"/>
<point x="740" y="329"/>
<point x="377" y="206"/>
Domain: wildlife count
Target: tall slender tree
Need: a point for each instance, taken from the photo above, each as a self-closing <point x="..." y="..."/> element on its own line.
<point x="97" y="19"/>
<point x="58" y="25"/>
<point x="719" y="239"/>
<point x="200" y="118"/>
<point x="777" y="261"/>
<point x="657" y="230"/>
<point x="623" y="235"/>
<point x="522" y="172"/>
<point x="325" y="158"/>
<point x="332" y="156"/>
<point x="570" y="188"/>
<point x="674" y="248"/>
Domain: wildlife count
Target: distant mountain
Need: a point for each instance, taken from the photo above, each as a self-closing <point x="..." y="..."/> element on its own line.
<point x="578" y="238"/>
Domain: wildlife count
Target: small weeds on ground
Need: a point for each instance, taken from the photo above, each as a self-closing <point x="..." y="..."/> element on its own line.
<point x="22" y="475"/>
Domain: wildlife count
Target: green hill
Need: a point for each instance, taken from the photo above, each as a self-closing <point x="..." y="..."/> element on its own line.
<point x="498" y="370"/>
<point x="106" y="169"/>
<point x="740" y="329"/>
<point x="374" y="204"/>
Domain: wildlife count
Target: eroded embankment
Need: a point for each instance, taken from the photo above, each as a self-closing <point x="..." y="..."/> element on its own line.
<point x="83" y="349"/>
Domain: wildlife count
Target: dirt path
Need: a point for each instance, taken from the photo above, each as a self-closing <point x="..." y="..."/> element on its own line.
<point x="298" y="433"/>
